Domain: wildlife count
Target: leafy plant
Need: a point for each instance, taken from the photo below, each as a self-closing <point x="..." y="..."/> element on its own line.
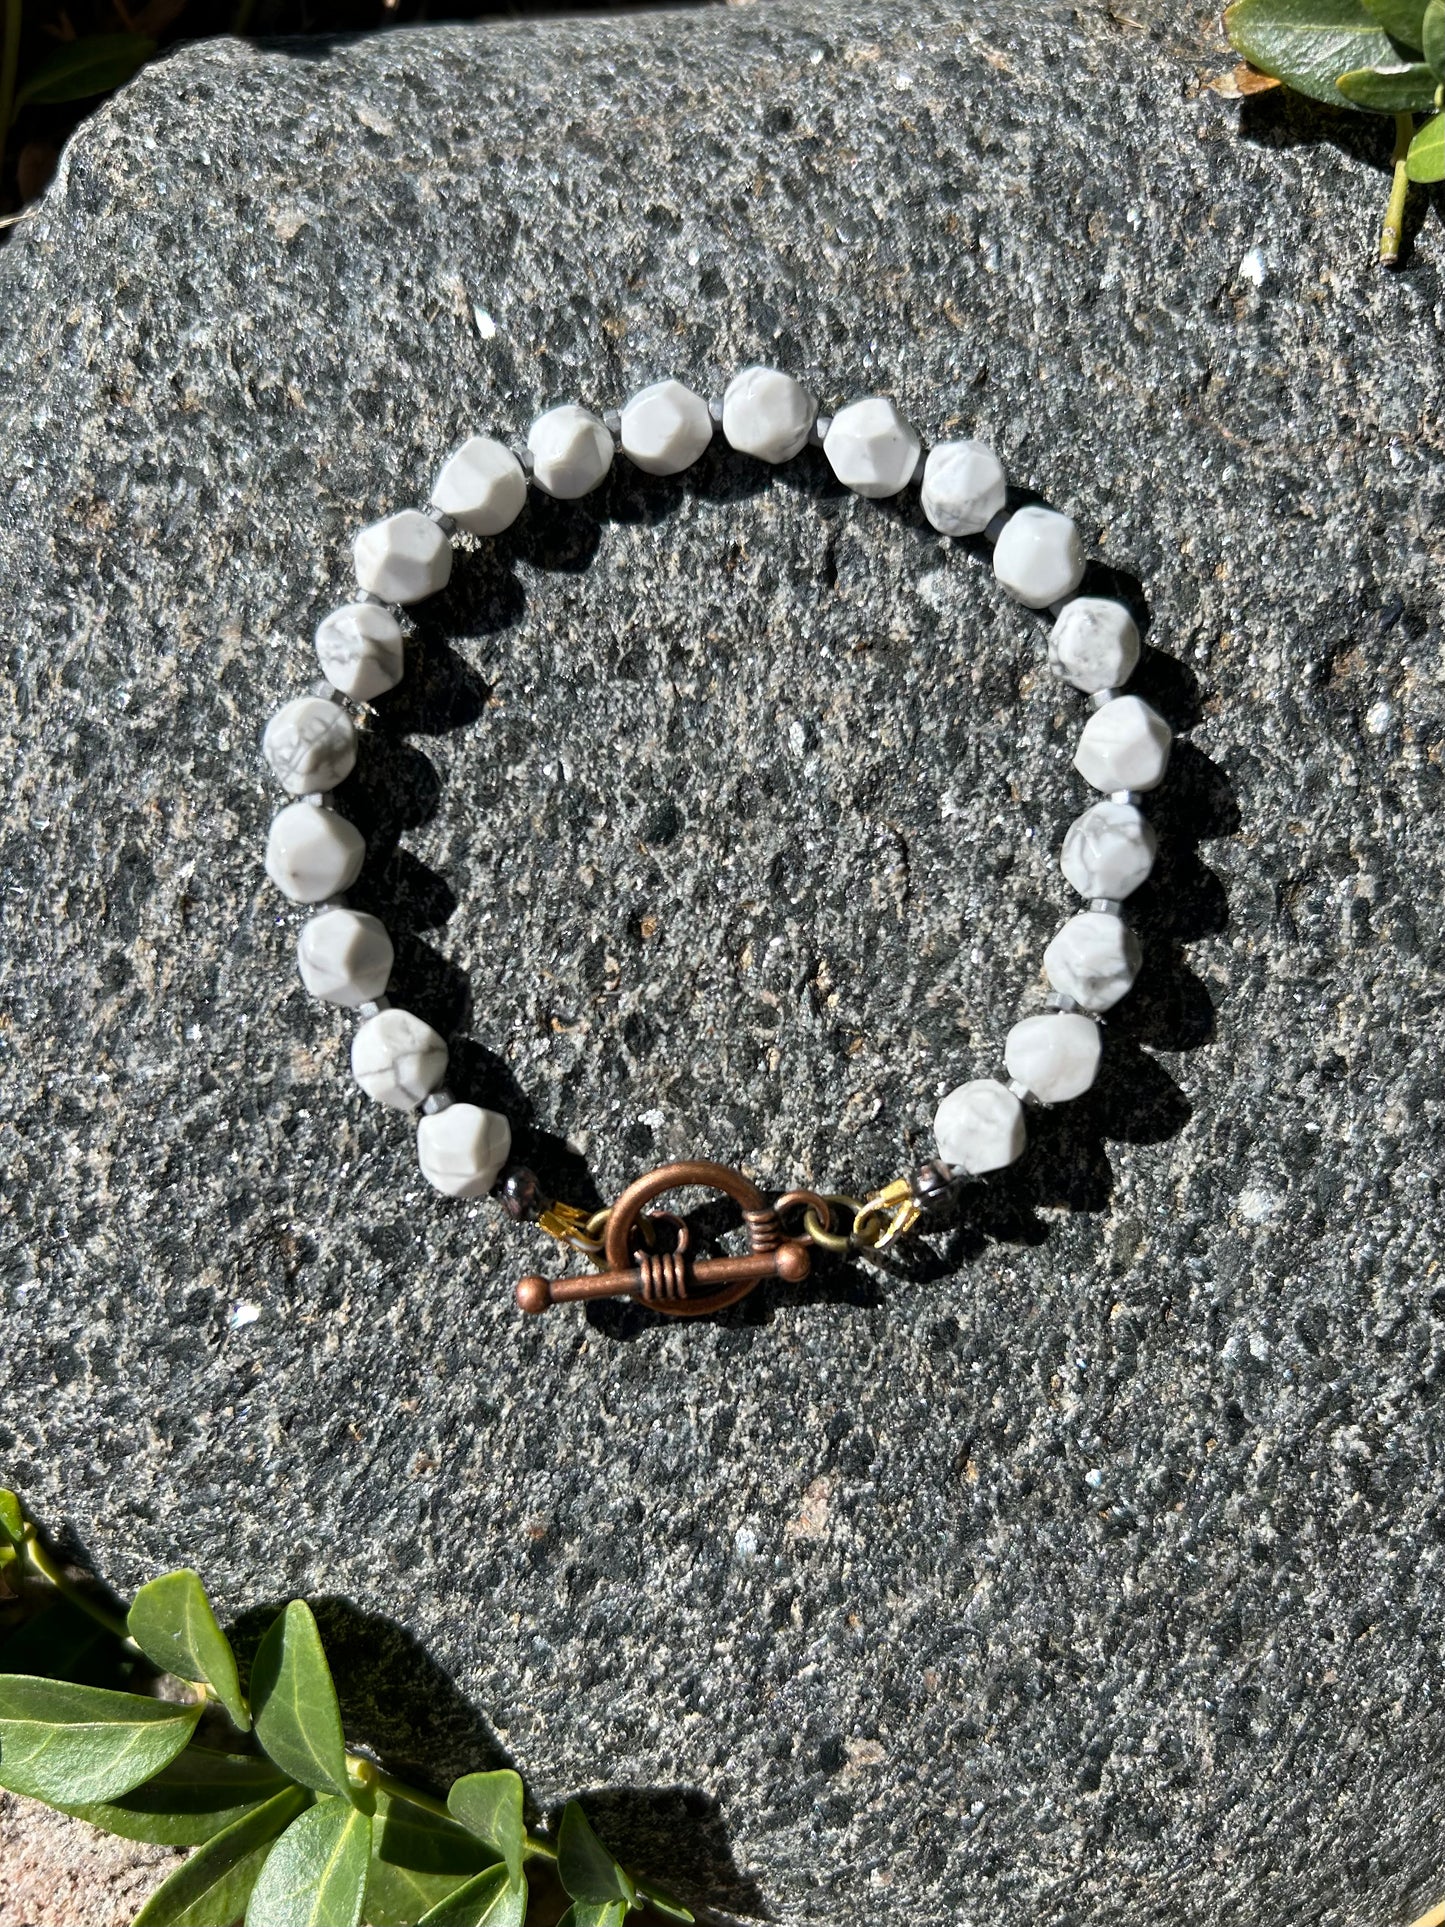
<point x="1373" y="56"/>
<point x="289" y="1827"/>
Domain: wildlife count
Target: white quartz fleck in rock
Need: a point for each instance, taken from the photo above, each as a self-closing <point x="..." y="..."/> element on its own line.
<point x="665" y="428"/>
<point x="1124" y="746"/>
<point x="360" y="651"/>
<point x="345" y="956"/>
<point x="872" y="448"/>
<point x="1094" y="959"/>
<point x="768" y="414"/>
<point x="397" y="1059"/>
<point x="1055" y="1056"/>
<point x="313" y="853"/>
<point x="403" y="558"/>
<point x="1038" y="557"/>
<point x="980" y="1127"/>
<point x="571" y="451"/>
<point x="1094" y="644"/>
<point x="310" y="744"/>
<point x="963" y="487"/>
<point x="1108" y="851"/>
<point x="481" y="487"/>
<point x="462" y="1149"/>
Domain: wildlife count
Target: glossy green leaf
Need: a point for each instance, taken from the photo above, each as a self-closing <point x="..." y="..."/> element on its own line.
<point x="172" y="1622"/>
<point x="490" y="1899"/>
<point x="293" y="1702"/>
<point x="97" y="63"/>
<point x="65" y="1743"/>
<point x="1433" y="38"/>
<point x="595" y="1913"/>
<point x="12" y="1518"/>
<point x="399" y="1896"/>
<point x="315" y="1875"/>
<point x="490" y="1806"/>
<point x="1308" y="44"/>
<point x="585" y="1867"/>
<point x="213" y="1884"/>
<point x="411" y="1836"/>
<point x="1391" y="90"/>
<point x="1401" y="19"/>
<point x="1427" y="152"/>
<point x="198" y="1795"/>
<point x="662" y="1902"/>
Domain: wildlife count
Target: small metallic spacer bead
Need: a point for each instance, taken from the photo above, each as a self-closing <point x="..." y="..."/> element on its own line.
<point x="446" y="523"/>
<point x="1061" y="1000"/>
<point x="318" y="799"/>
<point x="935" y="1187"/>
<point x="338" y="902"/>
<point x="715" y="409"/>
<point x="918" y="467"/>
<point x="328" y="692"/>
<point x="374" y="1008"/>
<point x="1101" y="697"/>
<point x="524" y="459"/>
<point x="995" y="528"/>
<point x="522" y="1195"/>
<point x="1107" y="906"/>
<point x="369" y="595"/>
<point x="612" y="422"/>
<point x="1126" y="796"/>
<point x="1024" y="1095"/>
<point x="818" y="433"/>
<point x="438" y="1101"/>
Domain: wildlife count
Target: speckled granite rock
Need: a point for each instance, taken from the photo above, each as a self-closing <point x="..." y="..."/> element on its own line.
<point x="1088" y="1570"/>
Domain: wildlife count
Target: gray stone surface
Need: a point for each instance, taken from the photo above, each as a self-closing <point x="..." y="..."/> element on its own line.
<point x="1088" y="1571"/>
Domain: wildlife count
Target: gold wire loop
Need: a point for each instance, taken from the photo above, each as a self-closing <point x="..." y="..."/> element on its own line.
<point x="890" y="1214"/>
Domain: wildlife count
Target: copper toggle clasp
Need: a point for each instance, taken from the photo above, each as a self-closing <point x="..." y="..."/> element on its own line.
<point x="674" y="1281"/>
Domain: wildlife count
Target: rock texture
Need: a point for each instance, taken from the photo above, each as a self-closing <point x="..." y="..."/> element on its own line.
<point x="1083" y="1565"/>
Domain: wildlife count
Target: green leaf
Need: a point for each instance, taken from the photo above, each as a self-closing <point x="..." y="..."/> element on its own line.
<point x="595" y="1913"/>
<point x="1308" y="44"/>
<point x="490" y="1806"/>
<point x="410" y="1836"/>
<point x="98" y="63"/>
<point x="12" y="1518"/>
<point x="214" y="1883"/>
<point x="1401" y="19"/>
<point x="65" y="1743"/>
<point x="1390" y="90"/>
<point x="315" y="1875"/>
<point x="399" y="1896"/>
<point x="1426" y="161"/>
<point x="1433" y="38"/>
<point x="490" y="1899"/>
<point x="585" y="1867"/>
<point x="172" y="1622"/>
<point x="199" y="1794"/>
<point x="662" y="1902"/>
<point x="293" y="1703"/>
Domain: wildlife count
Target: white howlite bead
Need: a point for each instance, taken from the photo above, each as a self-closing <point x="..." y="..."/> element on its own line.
<point x="313" y="854"/>
<point x="980" y="1127"/>
<point x="345" y="956"/>
<point x="359" y="649"/>
<point x="481" y="487"/>
<point x="1056" y="1057"/>
<point x="665" y="428"/>
<point x="871" y="448"/>
<point x="768" y="414"/>
<point x="571" y="451"/>
<point x="310" y="744"/>
<point x="397" y="1059"/>
<point x="1094" y="644"/>
<point x="403" y="558"/>
<point x="1124" y="746"/>
<point x="1038" y="557"/>
<point x="462" y="1149"/>
<point x="1094" y="959"/>
<point x="963" y="487"/>
<point x="1108" y="851"/>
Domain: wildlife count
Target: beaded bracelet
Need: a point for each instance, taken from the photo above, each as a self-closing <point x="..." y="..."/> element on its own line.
<point x="314" y="854"/>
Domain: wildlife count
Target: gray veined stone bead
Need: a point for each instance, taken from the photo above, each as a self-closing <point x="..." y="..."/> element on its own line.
<point x="403" y="558"/>
<point x="980" y="1127"/>
<point x="1094" y="959"/>
<point x="310" y="744"/>
<point x="571" y="451"/>
<point x="665" y="428"/>
<point x="481" y="487"/>
<point x="397" y="1059"/>
<point x="1094" y="644"/>
<point x="359" y="647"/>
<point x="1108" y="851"/>
<point x="462" y="1149"/>
<point x="1124" y="746"/>
<point x="313" y="854"/>
<point x="963" y="487"/>
<point x="345" y="956"/>
<point x="1056" y="1057"/>
<point x="872" y="448"/>
<point x="1038" y="557"/>
<point x="768" y="414"/>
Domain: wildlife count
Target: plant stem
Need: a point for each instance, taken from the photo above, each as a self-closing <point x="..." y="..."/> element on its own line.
<point x="39" y="1561"/>
<point x="399" y="1790"/>
<point x="1399" y="188"/>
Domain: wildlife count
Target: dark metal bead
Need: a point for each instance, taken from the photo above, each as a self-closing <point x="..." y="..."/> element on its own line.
<point x="935" y="1188"/>
<point x="522" y="1195"/>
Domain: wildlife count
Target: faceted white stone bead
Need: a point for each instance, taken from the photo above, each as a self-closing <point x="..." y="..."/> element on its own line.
<point x="1108" y="851"/>
<point x="310" y="744"/>
<point x="1094" y="644"/>
<point x="345" y="956"/>
<point x="397" y="1059"/>
<point x="963" y="487"/>
<point x="768" y="414"/>
<point x="313" y="853"/>
<point x="359" y="649"/>
<point x="871" y="448"/>
<point x="980" y="1127"/>
<point x="481" y="487"/>
<point x="1094" y="959"/>
<point x="1038" y="557"/>
<point x="403" y="558"/>
<point x="1124" y="746"/>
<point x="1056" y="1056"/>
<point x="462" y="1149"/>
<point x="665" y="428"/>
<point x="571" y="451"/>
